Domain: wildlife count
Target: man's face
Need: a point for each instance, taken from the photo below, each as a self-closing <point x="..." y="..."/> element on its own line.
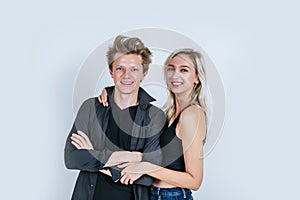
<point x="127" y="72"/>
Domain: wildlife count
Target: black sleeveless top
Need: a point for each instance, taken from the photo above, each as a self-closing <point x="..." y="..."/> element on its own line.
<point x="172" y="150"/>
<point x="171" y="145"/>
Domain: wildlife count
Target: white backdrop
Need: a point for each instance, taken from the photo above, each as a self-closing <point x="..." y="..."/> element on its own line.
<point x="254" y="44"/>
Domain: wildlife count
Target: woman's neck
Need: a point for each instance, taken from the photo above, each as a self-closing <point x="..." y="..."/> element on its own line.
<point x="181" y="103"/>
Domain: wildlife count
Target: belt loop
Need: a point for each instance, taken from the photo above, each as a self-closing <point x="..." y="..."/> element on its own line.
<point x="159" y="197"/>
<point x="183" y="192"/>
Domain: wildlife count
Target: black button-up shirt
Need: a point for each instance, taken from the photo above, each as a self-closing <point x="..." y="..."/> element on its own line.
<point x="92" y="119"/>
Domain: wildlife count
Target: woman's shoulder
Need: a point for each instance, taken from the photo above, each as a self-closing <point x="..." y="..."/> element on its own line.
<point x="192" y="121"/>
<point x="193" y="111"/>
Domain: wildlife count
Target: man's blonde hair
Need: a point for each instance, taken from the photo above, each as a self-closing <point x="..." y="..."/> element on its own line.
<point x="129" y="45"/>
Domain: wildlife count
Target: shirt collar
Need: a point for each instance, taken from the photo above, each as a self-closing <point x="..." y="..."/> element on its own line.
<point x="143" y="97"/>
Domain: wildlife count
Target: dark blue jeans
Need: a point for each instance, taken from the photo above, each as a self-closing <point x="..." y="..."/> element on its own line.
<point x="170" y="194"/>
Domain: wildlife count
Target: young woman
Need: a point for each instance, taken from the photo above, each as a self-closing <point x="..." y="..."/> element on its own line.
<point x="182" y="142"/>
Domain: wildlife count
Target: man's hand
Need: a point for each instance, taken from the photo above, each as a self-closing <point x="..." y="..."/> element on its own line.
<point x="81" y="141"/>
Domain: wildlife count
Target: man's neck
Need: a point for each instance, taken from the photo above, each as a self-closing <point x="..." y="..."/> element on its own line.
<point x="125" y="100"/>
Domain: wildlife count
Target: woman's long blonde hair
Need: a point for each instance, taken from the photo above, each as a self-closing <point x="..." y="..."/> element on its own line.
<point x="199" y="93"/>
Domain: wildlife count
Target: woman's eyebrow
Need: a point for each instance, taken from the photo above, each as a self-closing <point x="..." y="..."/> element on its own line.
<point x="171" y="65"/>
<point x="185" y="66"/>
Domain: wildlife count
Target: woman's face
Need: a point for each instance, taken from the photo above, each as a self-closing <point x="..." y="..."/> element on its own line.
<point x="181" y="75"/>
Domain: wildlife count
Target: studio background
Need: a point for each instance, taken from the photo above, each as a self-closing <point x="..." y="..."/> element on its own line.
<point x="254" y="44"/>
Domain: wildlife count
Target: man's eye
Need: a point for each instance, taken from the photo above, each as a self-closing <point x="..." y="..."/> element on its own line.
<point x="184" y="70"/>
<point x="119" y="68"/>
<point x="134" y="69"/>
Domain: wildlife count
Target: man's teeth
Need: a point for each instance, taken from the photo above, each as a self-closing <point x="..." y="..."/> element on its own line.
<point x="126" y="82"/>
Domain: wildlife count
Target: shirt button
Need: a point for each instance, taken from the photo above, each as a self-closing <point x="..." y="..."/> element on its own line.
<point x="92" y="185"/>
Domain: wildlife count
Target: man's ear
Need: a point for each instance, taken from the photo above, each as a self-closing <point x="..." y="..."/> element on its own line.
<point x="110" y="72"/>
<point x="145" y="73"/>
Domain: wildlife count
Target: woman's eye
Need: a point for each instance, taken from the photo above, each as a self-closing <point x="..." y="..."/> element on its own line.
<point x="184" y="70"/>
<point x="119" y="68"/>
<point x="170" y="69"/>
<point x="135" y="69"/>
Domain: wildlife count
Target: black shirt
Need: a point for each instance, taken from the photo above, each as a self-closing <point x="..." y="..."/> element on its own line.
<point x="120" y="127"/>
<point x="92" y="119"/>
<point x="118" y="133"/>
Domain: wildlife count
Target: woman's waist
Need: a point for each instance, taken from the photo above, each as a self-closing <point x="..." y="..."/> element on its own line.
<point x="162" y="184"/>
<point x="169" y="191"/>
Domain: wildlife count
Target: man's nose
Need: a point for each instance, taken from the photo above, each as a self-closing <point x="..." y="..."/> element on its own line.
<point x="127" y="72"/>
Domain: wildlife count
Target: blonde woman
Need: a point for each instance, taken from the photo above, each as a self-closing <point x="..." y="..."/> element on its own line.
<point x="182" y="142"/>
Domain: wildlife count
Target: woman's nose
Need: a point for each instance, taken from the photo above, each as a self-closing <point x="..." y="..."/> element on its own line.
<point x="175" y="74"/>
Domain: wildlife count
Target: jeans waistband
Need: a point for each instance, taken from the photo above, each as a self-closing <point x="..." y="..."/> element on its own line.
<point x="170" y="191"/>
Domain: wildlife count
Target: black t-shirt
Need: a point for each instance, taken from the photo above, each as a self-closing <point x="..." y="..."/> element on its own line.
<point x="119" y="136"/>
<point x="120" y="126"/>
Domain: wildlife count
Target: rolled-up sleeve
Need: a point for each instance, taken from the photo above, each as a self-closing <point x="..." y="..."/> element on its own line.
<point x="82" y="159"/>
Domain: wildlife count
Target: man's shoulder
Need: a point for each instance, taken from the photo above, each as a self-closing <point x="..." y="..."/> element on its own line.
<point x="89" y="101"/>
<point x="149" y="106"/>
<point x="91" y="104"/>
<point x="155" y="113"/>
<point x="154" y="107"/>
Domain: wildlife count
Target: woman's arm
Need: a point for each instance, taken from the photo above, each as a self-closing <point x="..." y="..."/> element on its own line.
<point x="192" y="131"/>
<point x="102" y="98"/>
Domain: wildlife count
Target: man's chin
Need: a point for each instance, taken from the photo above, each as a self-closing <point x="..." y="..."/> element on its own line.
<point x="128" y="91"/>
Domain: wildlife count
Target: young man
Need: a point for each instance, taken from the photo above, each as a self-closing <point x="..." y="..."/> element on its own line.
<point x="128" y="130"/>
